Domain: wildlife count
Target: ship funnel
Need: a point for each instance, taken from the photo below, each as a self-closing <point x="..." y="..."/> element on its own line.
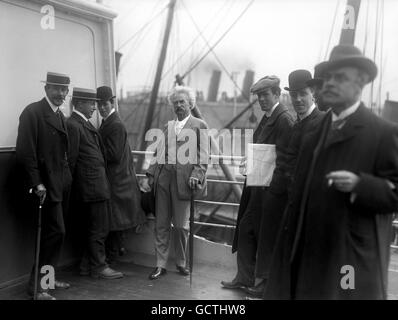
<point x="214" y="85"/>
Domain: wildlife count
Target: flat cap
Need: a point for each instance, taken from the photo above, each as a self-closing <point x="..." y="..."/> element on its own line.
<point x="265" y="83"/>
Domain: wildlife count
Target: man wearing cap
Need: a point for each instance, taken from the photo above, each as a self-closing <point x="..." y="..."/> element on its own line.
<point x="90" y="183"/>
<point x="308" y="118"/>
<point x="335" y="239"/>
<point x="125" y="193"/>
<point x="274" y="128"/>
<point x="41" y="149"/>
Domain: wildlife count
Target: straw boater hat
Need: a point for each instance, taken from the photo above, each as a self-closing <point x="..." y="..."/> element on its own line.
<point x="298" y="80"/>
<point x="58" y="79"/>
<point x="347" y="56"/>
<point x="85" y="94"/>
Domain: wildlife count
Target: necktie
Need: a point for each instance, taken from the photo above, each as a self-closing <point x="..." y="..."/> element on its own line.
<point x="60" y="120"/>
<point x="338" y="124"/>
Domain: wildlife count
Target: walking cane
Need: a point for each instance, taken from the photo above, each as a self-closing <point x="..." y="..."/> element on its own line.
<point x="191" y="220"/>
<point x="37" y="250"/>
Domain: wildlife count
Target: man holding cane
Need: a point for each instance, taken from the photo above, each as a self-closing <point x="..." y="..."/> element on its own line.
<point x="41" y="149"/>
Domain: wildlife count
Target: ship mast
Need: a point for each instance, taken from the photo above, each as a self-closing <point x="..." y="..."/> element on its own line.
<point x="158" y="75"/>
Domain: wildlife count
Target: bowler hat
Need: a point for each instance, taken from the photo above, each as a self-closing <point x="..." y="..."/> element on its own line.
<point x="347" y="56"/>
<point x="265" y="83"/>
<point x="58" y="79"/>
<point x="85" y="94"/>
<point x="298" y="80"/>
<point x="104" y="93"/>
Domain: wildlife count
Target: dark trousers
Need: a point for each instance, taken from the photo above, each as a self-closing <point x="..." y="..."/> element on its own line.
<point x="249" y="227"/>
<point x="114" y="242"/>
<point x="97" y="222"/>
<point x="52" y="237"/>
<point x="274" y="207"/>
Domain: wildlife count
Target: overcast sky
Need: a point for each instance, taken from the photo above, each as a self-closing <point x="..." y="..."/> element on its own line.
<point x="272" y="37"/>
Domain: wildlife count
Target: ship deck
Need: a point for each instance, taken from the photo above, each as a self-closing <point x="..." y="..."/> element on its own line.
<point x="136" y="285"/>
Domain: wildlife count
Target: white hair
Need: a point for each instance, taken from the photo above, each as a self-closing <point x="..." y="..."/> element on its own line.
<point x="189" y="92"/>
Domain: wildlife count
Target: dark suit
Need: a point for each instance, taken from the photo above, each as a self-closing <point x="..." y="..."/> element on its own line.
<point x="277" y="195"/>
<point x="125" y="192"/>
<point x="172" y="191"/>
<point x="41" y="149"/>
<point x="90" y="185"/>
<point x="325" y="229"/>
<point x="275" y="130"/>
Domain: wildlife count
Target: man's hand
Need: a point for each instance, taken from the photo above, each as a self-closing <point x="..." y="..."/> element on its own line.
<point x="193" y="183"/>
<point x="344" y="181"/>
<point x="41" y="191"/>
<point x="151" y="181"/>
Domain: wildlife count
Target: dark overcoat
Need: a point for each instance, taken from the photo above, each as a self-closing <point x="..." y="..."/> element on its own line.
<point x="125" y="192"/>
<point x="325" y="230"/>
<point x="277" y="196"/>
<point x="87" y="162"/>
<point x="41" y="149"/>
<point x="275" y="130"/>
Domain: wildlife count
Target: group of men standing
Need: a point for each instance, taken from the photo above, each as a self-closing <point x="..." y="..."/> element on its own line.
<point x="322" y="229"/>
<point x="327" y="211"/>
<point x="71" y="162"/>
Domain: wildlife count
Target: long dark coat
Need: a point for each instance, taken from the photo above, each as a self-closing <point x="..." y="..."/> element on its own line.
<point x="87" y="162"/>
<point x="323" y="229"/>
<point x="125" y="192"/>
<point x="41" y="149"/>
<point x="275" y="130"/>
<point x="277" y="195"/>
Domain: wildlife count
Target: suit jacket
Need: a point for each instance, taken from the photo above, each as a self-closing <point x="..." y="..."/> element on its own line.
<point x="195" y="168"/>
<point x="42" y="147"/>
<point x="323" y="229"/>
<point x="275" y="130"/>
<point x="87" y="162"/>
<point x="125" y="192"/>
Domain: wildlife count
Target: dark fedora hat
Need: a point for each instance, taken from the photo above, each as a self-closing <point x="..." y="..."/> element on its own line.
<point x="104" y="93"/>
<point x="85" y="94"/>
<point x="58" y="79"/>
<point x="347" y="56"/>
<point x="298" y="80"/>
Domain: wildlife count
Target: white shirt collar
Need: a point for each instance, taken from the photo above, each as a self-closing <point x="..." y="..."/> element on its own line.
<point x="269" y="114"/>
<point x="309" y="111"/>
<point x="80" y="114"/>
<point x="112" y="111"/>
<point x="178" y="125"/>
<point x="347" y="112"/>
<point x="53" y="106"/>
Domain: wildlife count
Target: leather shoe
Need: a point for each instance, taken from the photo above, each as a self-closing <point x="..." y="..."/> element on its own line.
<point x="183" y="271"/>
<point x="61" y="285"/>
<point x="256" y="291"/>
<point x="157" y="273"/>
<point x="233" y="285"/>
<point x="107" y="273"/>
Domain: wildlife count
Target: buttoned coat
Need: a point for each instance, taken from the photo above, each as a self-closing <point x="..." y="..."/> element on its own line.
<point x="327" y="233"/>
<point x="275" y="130"/>
<point x="125" y="192"/>
<point x="87" y="162"/>
<point x="277" y="195"/>
<point x="41" y="149"/>
<point x="193" y="136"/>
